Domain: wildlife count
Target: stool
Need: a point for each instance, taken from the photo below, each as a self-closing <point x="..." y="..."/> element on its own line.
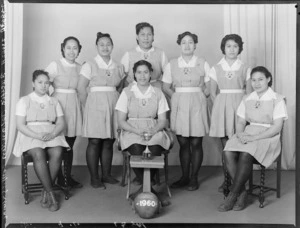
<point x="156" y="162"/>
<point x="37" y="187"/>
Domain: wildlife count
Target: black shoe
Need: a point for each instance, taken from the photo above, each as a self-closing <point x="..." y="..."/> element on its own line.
<point x="193" y="185"/>
<point x="110" y="180"/>
<point x="74" y="184"/>
<point x="97" y="183"/>
<point x="137" y="181"/>
<point x="180" y="183"/>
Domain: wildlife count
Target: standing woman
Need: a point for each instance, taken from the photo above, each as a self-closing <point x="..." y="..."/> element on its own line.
<point x="102" y="75"/>
<point x="40" y="125"/>
<point x="189" y="115"/>
<point x="64" y="75"/>
<point x="230" y="81"/>
<point x="145" y="51"/>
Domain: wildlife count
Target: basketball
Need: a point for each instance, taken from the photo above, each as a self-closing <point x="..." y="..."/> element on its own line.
<point x="146" y="205"/>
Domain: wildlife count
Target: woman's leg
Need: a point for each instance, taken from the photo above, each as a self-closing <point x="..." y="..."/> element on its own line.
<point x="231" y="159"/>
<point x="156" y="150"/>
<point x="223" y="143"/>
<point x="185" y="160"/>
<point x="106" y="157"/>
<point x="196" y="161"/>
<point x="137" y="149"/>
<point x="92" y="159"/>
<point x="55" y="158"/>
<point x="41" y="167"/>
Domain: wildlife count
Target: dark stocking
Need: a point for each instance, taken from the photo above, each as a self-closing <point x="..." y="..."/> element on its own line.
<point x="55" y="158"/>
<point x="106" y="156"/>
<point x="197" y="155"/>
<point x="137" y="149"/>
<point x="185" y="156"/>
<point x="92" y="156"/>
<point x="41" y="168"/>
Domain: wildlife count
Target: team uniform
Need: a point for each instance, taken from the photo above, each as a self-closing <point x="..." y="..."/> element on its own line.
<point x="231" y="82"/>
<point x="142" y="110"/>
<point x="99" y="118"/>
<point x="260" y="113"/>
<point x="64" y="77"/>
<point x="189" y="114"/>
<point x="40" y="114"/>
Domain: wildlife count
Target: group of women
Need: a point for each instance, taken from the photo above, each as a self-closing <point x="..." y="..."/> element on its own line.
<point x="86" y="102"/>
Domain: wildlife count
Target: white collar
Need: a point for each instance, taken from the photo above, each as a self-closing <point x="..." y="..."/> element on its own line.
<point x="64" y="62"/>
<point x="191" y="63"/>
<point x="102" y="64"/>
<point x="138" y="49"/>
<point x="268" y="95"/>
<point x="235" y="66"/>
<point x="39" y="99"/>
<point x="139" y="94"/>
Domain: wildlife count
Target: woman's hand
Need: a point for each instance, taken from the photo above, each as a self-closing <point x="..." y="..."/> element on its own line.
<point x="48" y="136"/>
<point x="245" y="138"/>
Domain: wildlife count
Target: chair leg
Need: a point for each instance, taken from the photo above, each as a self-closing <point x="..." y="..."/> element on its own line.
<point x="26" y="194"/>
<point x="167" y="174"/>
<point x="124" y="170"/>
<point x="66" y="169"/>
<point x="278" y="182"/>
<point x="226" y="187"/>
<point x="250" y="183"/>
<point x="128" y="180"/>
<point x="262" y="183"/>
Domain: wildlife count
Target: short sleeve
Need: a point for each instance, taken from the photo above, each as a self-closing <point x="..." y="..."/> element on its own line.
<point x="59" y="111"/>
<point x="162" y="105"/>
<point x="248" y="74"/>
<point x="206" y="70"/>
<point x="125" y="62"/>
<point x="21" y="107"/>
<point x="212" y="74"/>
<point x="167" y="77"/>
<point x="122" y="103"/>
<point x="52" y="70"/>
<point x="164" y="60"/>
<point x="122" y="72"/>
<point x="241" y="111"/>
<point x="86" y="71"/>
<point x="280" y="111"/>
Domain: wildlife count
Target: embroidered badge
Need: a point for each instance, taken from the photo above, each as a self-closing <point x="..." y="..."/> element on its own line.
<point x="257" y="104"/>
<point x="229" y="74"/>
<point x="146" y="55"/>
<point x="42" y="105"/>
<point x="186" y="70"/>
<point x="108" y="73"/>
<point x="143" y="102"/>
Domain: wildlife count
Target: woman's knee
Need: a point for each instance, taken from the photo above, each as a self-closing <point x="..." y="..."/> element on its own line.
<point x="94" y="142"/>
<point x="38" y="154"/>
<point x="55" y="153"/>
<point x="183" y="141"/>
<point x="156" y="150"/>
<point x="196" y="143"/>
<point x="136" y="149"/>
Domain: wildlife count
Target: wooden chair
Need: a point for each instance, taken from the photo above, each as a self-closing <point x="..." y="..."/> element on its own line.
<point x="261" y="186"/>
<point x="37" y="187"/>
<point x="126" y="163"/>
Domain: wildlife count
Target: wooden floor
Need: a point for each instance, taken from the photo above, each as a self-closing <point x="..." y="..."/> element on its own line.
<point x="93" y="206"/>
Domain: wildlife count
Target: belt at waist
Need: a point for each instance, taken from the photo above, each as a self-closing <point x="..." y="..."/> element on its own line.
<point x="187" y="89"/>
<point x="232" y="91"/>
<point x="260" y="124"/>
<point x="103" y="89"/>
<point x="65" y="90"/>
<point x="140" y="118"/>
<point x="40" y="123"/>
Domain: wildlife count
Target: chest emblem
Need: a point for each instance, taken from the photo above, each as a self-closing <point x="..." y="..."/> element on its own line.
<point x="108" y="73"/>
<point x="146" y="55"/>
<point x="143" y="102"/>
<point x="229" y="74"/>
<point x="257" y="104"/>
<point x="42" y="105"/>
<point x="186" y="70"/>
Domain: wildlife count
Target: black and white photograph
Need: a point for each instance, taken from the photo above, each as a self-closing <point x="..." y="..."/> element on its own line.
<point x="141" y="114"/>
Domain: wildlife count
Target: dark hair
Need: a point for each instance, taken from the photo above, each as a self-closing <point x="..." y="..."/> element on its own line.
<point x="182" y="35"/>
<point x="141" y="63"/>
<point x="236" y="38"/>
<point x="263" y="70"/>
<point x="37" y="73"/>
<point x="100" y="35"/>
<point x="63" y="44"/>
<point x="142" y="25"/>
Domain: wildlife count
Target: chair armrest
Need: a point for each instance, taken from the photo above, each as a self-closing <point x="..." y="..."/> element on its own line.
<point x="119" y="139"/>
<point x="171" y="137"/>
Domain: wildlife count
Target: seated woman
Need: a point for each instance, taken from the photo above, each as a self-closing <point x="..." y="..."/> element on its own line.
<point x="40" y="123"/>
<point x="142" y="109"/>
<point x="265" y="112"/>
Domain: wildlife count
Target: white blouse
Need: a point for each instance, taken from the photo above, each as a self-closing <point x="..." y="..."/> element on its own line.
<point x="167" y="77"/>
<point x="52" y="68"/>
<point x="279" y="109"/>
<point x="21" y="104"/>
<point x="122" y="103"/>
<point x="225" y="66"/>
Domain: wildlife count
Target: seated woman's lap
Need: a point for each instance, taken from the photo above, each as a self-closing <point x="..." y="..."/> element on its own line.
<point x="137" y="149"/>
<point x="40" y="154"/>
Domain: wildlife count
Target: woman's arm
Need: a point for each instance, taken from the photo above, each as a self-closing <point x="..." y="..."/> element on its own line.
<point x="81" y="88"/>
<point x="59" y="127"/>
<point x="162" y="123"/>
<point x="167" y="89"/>
<point x="249" y="88"/>
<point x="122" y="121"/>
<point x="213" y="89"/>
<point x="22" y="127"/>
<point x="206" y="88"/>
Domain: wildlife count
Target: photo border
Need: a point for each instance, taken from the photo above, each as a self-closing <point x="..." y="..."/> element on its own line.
<point x="297" y="179"/>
